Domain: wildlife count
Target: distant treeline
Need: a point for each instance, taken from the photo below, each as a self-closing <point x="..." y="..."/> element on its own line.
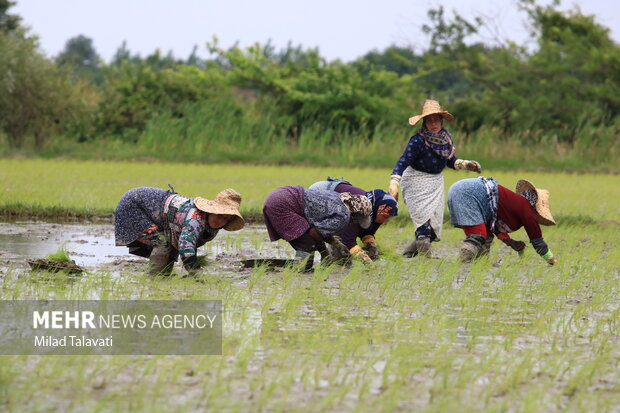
<point x="555" y="104"/>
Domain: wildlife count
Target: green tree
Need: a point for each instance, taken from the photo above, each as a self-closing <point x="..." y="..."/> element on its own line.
<point x="400" y="60"/>
<point x="577" y="68"/>
<point x="83" y="60"/>
<point x="571" y="79"/>
<point x="36" y="97"/>
<point x="134" y="92"/>
<point x="8" y="22"/>
<point x="310" y="91"/>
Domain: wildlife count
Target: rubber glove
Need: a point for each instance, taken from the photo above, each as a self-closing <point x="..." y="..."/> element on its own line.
<point x="191" y="264"/>
<point x="341" y="249"/>
<point x="518" y="246"/>
<point x="551" y="260"/>
<point x="467" y="165"/>
<point x="370" y="245"/>
<point x="360" y="253"/>
<point x="394" y="185"/>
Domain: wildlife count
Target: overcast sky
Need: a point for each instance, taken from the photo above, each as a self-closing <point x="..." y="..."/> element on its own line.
<point x="344" y="29"/>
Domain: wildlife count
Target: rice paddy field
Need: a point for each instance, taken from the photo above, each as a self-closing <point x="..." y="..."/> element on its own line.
<point x="507" y="333"/>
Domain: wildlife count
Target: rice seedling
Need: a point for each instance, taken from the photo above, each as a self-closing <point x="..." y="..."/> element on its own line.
<point x="61" y="255"/>
<point x="505" y="333"/>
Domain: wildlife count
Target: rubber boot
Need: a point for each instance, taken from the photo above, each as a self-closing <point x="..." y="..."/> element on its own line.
<point x="486" y="247"/>
<point x="411" y="250"/>
<point x="471" y="248"/>
<point x="140" y="249"/>
<point x="305" y="258"/>
<point x="419" y="246"/>
<point x="160" y="261"/>
<point x="424" y="246"/>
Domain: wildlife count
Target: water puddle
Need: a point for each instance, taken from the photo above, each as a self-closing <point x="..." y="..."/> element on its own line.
<point x="92" y="245"/>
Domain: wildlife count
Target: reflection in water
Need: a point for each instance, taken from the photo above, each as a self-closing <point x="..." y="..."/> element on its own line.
<point x="93" y="244"/>
<point x="86" y="244"/>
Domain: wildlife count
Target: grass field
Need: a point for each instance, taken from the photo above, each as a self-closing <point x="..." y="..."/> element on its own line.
<point x="50" y="187"/>
<point x="507" y="333"/>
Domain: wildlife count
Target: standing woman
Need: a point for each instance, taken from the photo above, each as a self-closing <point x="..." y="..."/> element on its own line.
<point x="482" y="208"/>
<point x="308" y="218"/>
<point x="162" y="225"/>
<point x="421" y="166"/>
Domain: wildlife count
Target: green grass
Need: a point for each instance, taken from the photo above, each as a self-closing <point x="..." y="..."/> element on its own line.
<point x="507" y="333"/>
<point x="61" y="255"/>
<point x="205" y="137"/>
<point x="78" y="189"/>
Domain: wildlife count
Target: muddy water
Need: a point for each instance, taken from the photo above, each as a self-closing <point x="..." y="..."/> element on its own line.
<point x="92" y="245"/>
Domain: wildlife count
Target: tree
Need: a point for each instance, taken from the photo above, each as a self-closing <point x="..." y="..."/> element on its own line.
<point x="8" y="22"/>
<point x="578" y="66"/>
<point x="400" y="60"/>
<point x="82" y="59"/>
<point x="36" y="97"/>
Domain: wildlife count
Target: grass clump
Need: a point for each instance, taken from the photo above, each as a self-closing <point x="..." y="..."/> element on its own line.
<point x="61" y="255"/>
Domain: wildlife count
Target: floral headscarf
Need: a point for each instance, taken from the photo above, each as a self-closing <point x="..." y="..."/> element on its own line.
<point x="440" y="142"/>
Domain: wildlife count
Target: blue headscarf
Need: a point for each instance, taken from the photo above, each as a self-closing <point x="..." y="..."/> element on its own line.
<point x="382" y="200"/>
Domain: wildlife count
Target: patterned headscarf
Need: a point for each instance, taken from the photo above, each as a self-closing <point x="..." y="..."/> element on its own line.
<point x="531" y="196"/>
<point x="440" y="142"/>
<point x="357" y="204"/>
<point x="382" y="201"/>
<point x="360" y="208"/>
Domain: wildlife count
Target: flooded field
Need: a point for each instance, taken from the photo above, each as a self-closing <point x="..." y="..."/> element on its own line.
<point x="506" y="333"/>
<point x="92" y="245"/>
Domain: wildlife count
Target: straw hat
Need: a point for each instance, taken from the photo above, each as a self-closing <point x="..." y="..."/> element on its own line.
<point x="431" y="107"/>
<point x="226" y="203"/>
<point x="542" y="201"/>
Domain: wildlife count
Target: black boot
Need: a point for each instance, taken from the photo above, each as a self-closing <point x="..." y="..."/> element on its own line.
<point x="306" y="259"/>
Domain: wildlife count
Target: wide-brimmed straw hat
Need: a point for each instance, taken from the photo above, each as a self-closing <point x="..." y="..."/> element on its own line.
<point x="225" y="203"/>
<point x="542" y="201"/>
<point x="431" y="107"/>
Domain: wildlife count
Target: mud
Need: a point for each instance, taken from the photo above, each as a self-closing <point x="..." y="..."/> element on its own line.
<point x="92" y="246"/>
<point x="54" y="266"/>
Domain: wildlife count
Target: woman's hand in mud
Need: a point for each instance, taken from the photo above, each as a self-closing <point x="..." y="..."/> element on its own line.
<point x="361" y="254"/>
<point x="553" y="261"/>
<point x="191" y="264"/>
<point x="372" y="250"/>
<point x="340" y="248"/>
<point x="514" y="244"/>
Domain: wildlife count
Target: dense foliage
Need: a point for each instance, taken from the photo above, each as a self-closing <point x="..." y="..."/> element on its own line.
<point x="569" y="83"/>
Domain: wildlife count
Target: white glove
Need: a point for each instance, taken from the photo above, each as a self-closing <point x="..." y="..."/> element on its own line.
<point x="394" y="185"/>
<point x="468" y="165"/>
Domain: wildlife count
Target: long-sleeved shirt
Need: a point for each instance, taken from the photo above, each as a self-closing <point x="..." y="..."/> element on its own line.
<point x="513" y="212"/>
<point x="189" y="229"/>
<point x="422" y="158"/>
